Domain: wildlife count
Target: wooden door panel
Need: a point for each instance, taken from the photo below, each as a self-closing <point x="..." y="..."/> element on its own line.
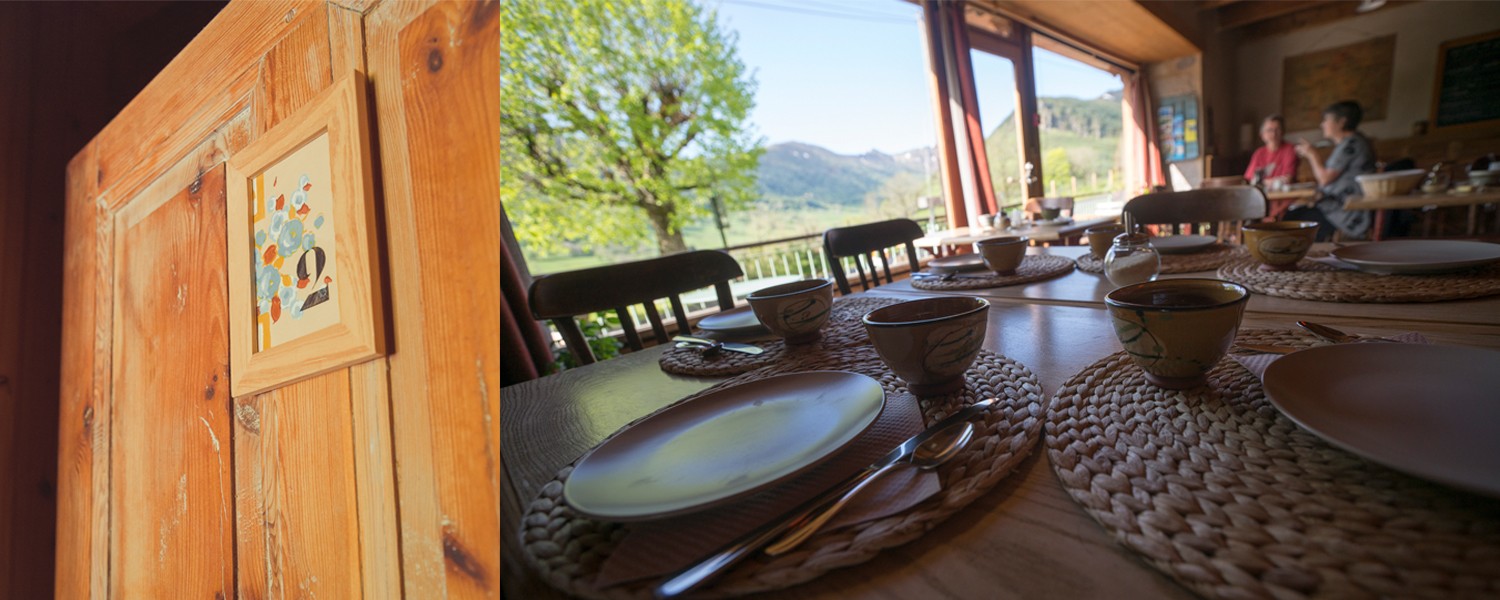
<point x="298" y="522"/>
<point x="171" y="481"/>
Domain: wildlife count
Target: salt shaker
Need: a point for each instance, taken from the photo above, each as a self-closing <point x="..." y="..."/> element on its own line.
<point x="1132" y="259"/>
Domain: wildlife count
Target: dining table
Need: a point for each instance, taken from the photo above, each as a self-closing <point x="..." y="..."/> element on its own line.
<point x="948" y="241"/>
<point x="1281" y="200"/>
<point x="1421" y="200"/>
<point x="1026" y="537"/>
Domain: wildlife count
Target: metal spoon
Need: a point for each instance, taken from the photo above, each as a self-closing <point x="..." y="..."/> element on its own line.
<point x="940" y="448"/>
<point x="1338" y="337"/>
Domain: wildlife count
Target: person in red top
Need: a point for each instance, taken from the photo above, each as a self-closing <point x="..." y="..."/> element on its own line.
<point x="1275" y="159"/>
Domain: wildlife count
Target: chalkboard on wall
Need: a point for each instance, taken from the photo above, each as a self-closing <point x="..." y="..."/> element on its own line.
<point x="1467" y="91"/>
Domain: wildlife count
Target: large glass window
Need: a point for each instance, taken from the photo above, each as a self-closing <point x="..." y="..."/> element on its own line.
<point x="1079" y="118"/>
<point x="995" y="80"/>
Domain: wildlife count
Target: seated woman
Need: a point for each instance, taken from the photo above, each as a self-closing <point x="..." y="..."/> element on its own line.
<point x="1275" y="159"/>
<point x="1352" y="155"/>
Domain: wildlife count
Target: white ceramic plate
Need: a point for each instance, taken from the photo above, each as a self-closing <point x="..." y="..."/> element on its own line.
<point x="1431" y="411"/>
<point x="723" y="445"/>
<point x="739" y="321"/>
<point x="1183" y="244"/>
<point x="954" y="264"/>
<point x="1419" y="256"/>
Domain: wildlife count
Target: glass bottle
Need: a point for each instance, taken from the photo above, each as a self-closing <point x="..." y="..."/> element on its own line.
<point x="1131" y="259"/>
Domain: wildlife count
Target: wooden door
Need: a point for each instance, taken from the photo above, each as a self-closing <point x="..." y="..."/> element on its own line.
<point x="172" y="488"/>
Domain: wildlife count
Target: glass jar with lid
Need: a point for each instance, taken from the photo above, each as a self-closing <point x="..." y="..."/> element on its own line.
<point x="1132" y="259"/>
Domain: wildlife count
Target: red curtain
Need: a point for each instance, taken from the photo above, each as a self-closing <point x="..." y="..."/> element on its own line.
<point x="524" y="348"/>
<point x="1140" y="150"/>
<point x="953" y="78"/>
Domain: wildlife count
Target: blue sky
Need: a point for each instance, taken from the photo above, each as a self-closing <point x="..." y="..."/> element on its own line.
<point x="851" y="75"/>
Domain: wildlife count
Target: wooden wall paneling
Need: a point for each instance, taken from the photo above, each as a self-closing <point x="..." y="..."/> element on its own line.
<point x="198" y="91"/>
<point x="369" y="385"/>
<point x="435" y="70"/>
<point x="296" y="492"/>
<point x="75" y="452"/>
<point x="15" y="134"/>
<point x="171" y="483"/>
<point x="294" y="70"/>
<point x="297" y="506"/>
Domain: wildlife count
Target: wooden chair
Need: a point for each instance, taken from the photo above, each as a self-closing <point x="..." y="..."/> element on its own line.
<point x="561" y="296"/>
<point x="1193" y="207"/>
<point x="863" y="242"/>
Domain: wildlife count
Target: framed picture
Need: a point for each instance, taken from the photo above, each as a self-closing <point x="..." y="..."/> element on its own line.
<point x="304" y="284"/>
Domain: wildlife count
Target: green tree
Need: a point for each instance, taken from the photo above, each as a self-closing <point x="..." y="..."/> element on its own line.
<point x="618" y="119"/>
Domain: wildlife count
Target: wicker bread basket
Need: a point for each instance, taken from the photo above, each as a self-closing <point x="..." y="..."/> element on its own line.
<point x="1395" y="183"/>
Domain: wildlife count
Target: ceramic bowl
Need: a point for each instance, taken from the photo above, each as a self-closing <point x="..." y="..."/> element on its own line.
<point x="1177" y="329"/>
<point x="930" y="343"/>
<point x="1002" y="254"/>
<point x="795" y="311"/>
<point x="1279" y="245"/>
<point x="1101" y="237"/>
<point x="1049" y="214"/>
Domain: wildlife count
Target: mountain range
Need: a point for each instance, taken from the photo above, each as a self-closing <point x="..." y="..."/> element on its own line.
<point x="1082" y="133"/>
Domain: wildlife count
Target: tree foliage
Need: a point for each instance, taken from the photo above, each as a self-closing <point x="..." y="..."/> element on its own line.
<point x="620" y="119"/>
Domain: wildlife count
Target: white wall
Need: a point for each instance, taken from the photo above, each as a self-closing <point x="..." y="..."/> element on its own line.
<point x="1420" y="28"/>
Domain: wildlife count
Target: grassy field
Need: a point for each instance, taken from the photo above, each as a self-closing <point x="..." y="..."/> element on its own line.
<point x="744" y="228"/>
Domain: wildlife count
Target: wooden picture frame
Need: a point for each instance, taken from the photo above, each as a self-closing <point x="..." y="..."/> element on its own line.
<point x="302" y="304"/>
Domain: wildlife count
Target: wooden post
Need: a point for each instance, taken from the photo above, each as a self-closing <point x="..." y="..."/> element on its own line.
<point x="1027" y="134"/>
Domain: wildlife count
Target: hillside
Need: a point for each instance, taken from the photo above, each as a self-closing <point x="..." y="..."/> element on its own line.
<point x="797" y="174"/>
<point x="1079" y="137"/>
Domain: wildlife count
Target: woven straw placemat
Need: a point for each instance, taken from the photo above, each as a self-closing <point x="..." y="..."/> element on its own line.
<point x="568" y="549"/>
<point x="1207" y="260"/>
<point x="1220" y="491"/>
<point x="844" y="328"/>
<point x="1316" y="281"/>
<point x="1033" y="268"/>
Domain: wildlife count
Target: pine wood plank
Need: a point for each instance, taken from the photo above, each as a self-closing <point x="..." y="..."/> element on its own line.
<point x="435" y="71"/>
<point x="99" y="519"/>
<point x="294" y="70"/>
<point x="369" y="383"/>
<point x="171" y="518"/>
<point x="296" y="504"/>
<point x="375" y="479"/>
<point x="75" y="452"/>
<point x="299" y="496"/>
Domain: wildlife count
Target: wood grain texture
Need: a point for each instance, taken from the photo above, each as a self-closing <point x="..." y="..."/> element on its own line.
<point x="295" y="501"/>
<point x="375" y="479"/>
<point x="295" y="469"/>
<point x="103" y="334"/>
<point x="435" y="70"/>
<point x="294" y="70"/>
<point x="171" y="480"/>
<point x="75" y="451"/>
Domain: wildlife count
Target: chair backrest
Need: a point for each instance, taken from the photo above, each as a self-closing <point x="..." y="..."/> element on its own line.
<point x="561" y="296"/>
<point x="1209" y="205"/>
<point x="863" y="242"/>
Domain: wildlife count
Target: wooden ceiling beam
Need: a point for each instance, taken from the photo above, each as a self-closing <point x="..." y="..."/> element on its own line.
<point x="1321" y="15"/>
<point x="1241" y="14"/>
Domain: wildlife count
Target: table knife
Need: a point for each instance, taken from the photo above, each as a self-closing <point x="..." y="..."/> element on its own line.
<point x="684" y="341"/>
<point x="705" y="570"/>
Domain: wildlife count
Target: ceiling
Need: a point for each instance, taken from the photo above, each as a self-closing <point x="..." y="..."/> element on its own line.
<point x="1125" y="30"/>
